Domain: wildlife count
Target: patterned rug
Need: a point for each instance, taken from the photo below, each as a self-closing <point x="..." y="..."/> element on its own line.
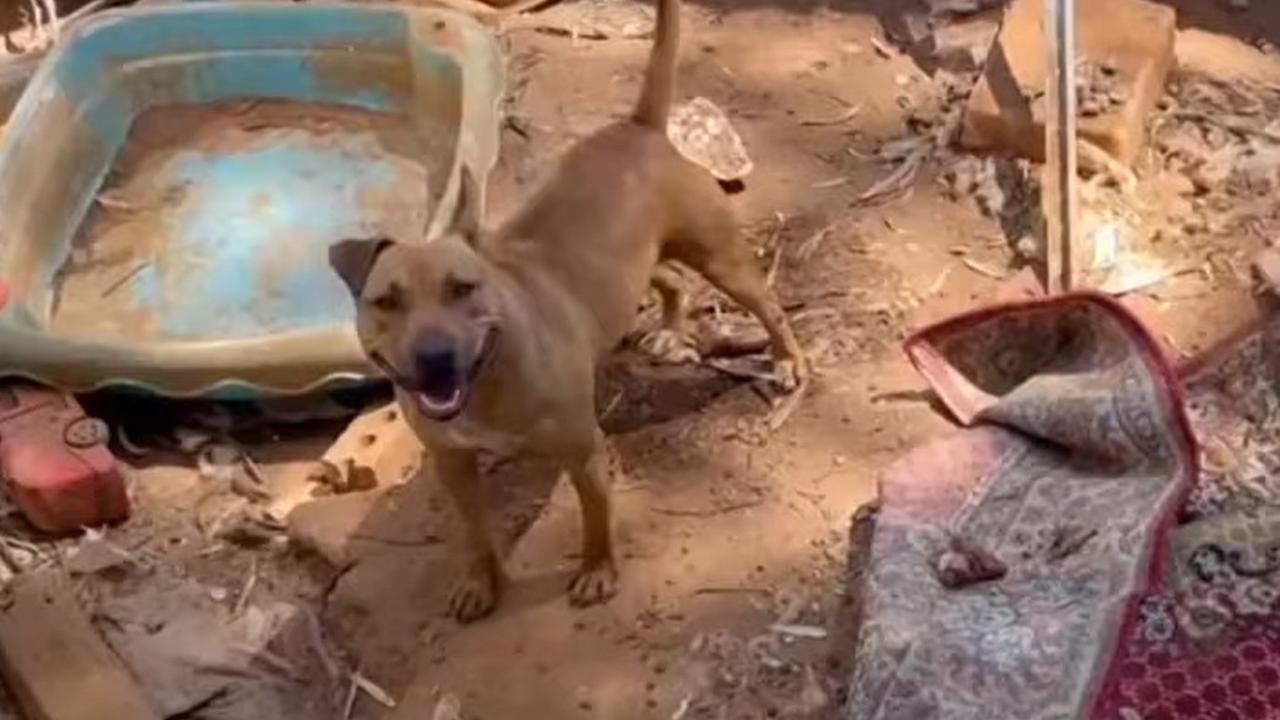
<point x="1207" y="643"/>
<point x="1011" y="568"/>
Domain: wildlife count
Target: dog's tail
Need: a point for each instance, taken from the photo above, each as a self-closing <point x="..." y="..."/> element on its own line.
<point x="660" y="78"/>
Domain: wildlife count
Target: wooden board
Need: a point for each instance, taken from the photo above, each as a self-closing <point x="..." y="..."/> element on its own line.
<point x="54" y="662"/>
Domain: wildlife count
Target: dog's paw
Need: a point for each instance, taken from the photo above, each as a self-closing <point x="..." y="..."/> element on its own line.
<point x="593" y="585"/>
<point x="790" y="373"/>
<point x="472" y="598"/>
<point x="669" y="347"/>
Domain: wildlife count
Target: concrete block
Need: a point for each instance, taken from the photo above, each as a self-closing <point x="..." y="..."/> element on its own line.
<point x="962" y="46"/>
<point x="1132" y="39"/>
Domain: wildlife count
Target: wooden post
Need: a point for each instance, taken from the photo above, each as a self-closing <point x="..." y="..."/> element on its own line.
<point x="1059" y="194"/>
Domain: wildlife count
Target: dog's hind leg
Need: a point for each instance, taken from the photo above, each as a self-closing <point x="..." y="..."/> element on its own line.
<point x="670" y="342"/>
<point x="711" y="246"/>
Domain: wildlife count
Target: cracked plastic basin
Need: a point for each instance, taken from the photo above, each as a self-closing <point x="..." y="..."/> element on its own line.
<point x="171" y="178"/>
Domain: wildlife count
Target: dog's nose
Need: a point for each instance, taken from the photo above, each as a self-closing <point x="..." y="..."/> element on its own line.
<point x="433" y="356"/>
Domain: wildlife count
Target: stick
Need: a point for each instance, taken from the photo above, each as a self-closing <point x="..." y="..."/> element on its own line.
<point x="731" y="591"/>
<point x="734" y="507"/>
<point x="319" y="646"/>
<point x="125" y="278"/>
<point x="896" y="181"/>
<point x="243" y="601"/>
<point x="787" y="406"/>
<point x="774" y="264"/>
<point x="382" y="697"/>
<point x="352" y="692"/>
<point x="840" y="119"/>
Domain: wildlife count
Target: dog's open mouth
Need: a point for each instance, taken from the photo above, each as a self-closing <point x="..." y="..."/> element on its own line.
<point x="442" y="398"/>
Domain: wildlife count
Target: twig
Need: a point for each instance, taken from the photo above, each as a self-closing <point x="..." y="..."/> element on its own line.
<point x="983" y="269"/>
<point x="574" y="33"/>
<point x="774" y="264"/>
<point x="353" y="692"/>
<point x="252" y="469"/>
<point x="941" y="280"/>
<point x="788" y="406"/>
<point x="731" y="591"/>
<point x="724" y="510"/>
<point x="840" y="119"/>
<point x="247" y="590"/>
<point x="833" y="182"/>
<point x="811" y="243"/>
<point x="125" y="278"/>
<point x="898" y="180"/>
<point x="316" y="633"/>
<point x="608" y="409"/>
<point x="812" y="632"/>
<point x="1096" y="159"/>
<point x="382" y="697"/>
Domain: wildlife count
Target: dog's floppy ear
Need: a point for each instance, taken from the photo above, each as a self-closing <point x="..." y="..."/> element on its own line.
<point x="353" y="259"/>
<point x="466" y="213"/>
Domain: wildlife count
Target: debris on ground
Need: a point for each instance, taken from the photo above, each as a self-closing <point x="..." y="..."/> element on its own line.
<point x="54" y="662"/>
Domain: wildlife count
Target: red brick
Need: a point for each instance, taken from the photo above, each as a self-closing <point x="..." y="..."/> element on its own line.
<point x="60" y="482"/>
<point x="1134" y="36"/>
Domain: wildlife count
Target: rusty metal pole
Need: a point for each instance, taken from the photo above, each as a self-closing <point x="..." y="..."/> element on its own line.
<point x="1059" y="187"/>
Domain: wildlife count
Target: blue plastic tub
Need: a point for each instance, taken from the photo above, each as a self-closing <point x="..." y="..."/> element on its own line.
<point x="172" y="176"/>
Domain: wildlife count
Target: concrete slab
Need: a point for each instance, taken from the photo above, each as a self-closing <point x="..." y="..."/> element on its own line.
<point x="1133" y="39"/>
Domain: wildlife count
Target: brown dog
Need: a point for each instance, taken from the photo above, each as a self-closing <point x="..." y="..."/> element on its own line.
<point x="492" y="340"/>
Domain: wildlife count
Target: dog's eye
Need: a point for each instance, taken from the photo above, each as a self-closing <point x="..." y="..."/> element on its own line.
<point x="455" y="289"/>
<point x="388" y="301"/>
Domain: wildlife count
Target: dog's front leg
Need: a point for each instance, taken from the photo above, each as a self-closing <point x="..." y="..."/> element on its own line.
<point x="597" y="578"/>
<point x="476" y="593"/>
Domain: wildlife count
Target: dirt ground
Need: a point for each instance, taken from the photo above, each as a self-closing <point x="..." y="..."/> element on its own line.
<point x="734" y="535"/>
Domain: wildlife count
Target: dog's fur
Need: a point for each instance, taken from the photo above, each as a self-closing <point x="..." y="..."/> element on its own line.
<point x="492" y="340"/>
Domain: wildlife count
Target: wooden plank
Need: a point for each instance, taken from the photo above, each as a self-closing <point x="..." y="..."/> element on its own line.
<point x="53" y="661"/>
<point x="1064" y="258"/>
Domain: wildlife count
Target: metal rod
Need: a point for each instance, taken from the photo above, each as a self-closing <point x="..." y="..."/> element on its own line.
<point x="1065" y="259"/>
